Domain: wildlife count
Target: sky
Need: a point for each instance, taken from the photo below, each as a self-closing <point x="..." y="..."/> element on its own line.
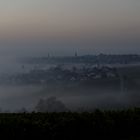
<point x="62" y="27"/>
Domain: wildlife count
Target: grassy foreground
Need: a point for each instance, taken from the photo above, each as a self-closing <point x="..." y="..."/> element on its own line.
<point x="118" y="125"/>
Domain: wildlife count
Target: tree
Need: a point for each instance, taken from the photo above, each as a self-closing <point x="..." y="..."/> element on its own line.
<point x="50" y="105"/>
<point x="22" y="110"/>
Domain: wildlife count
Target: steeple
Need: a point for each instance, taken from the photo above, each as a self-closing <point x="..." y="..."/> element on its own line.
<point x="76" y="54"/>
<point x="48" y="55"/>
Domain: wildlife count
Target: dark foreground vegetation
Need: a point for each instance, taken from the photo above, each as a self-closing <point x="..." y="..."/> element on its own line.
<point x="113" y="125"/>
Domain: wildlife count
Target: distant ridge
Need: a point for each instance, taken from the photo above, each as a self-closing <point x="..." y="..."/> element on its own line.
<point x="91" y="59"/>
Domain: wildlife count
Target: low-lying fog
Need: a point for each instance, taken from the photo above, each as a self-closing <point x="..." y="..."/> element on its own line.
<point x="14" y="97"/>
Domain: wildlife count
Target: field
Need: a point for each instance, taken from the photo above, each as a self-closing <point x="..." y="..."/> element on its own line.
<point x="118" y="125"/>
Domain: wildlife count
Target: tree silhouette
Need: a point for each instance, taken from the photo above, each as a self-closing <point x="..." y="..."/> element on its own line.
<point x="50" y="105"/>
